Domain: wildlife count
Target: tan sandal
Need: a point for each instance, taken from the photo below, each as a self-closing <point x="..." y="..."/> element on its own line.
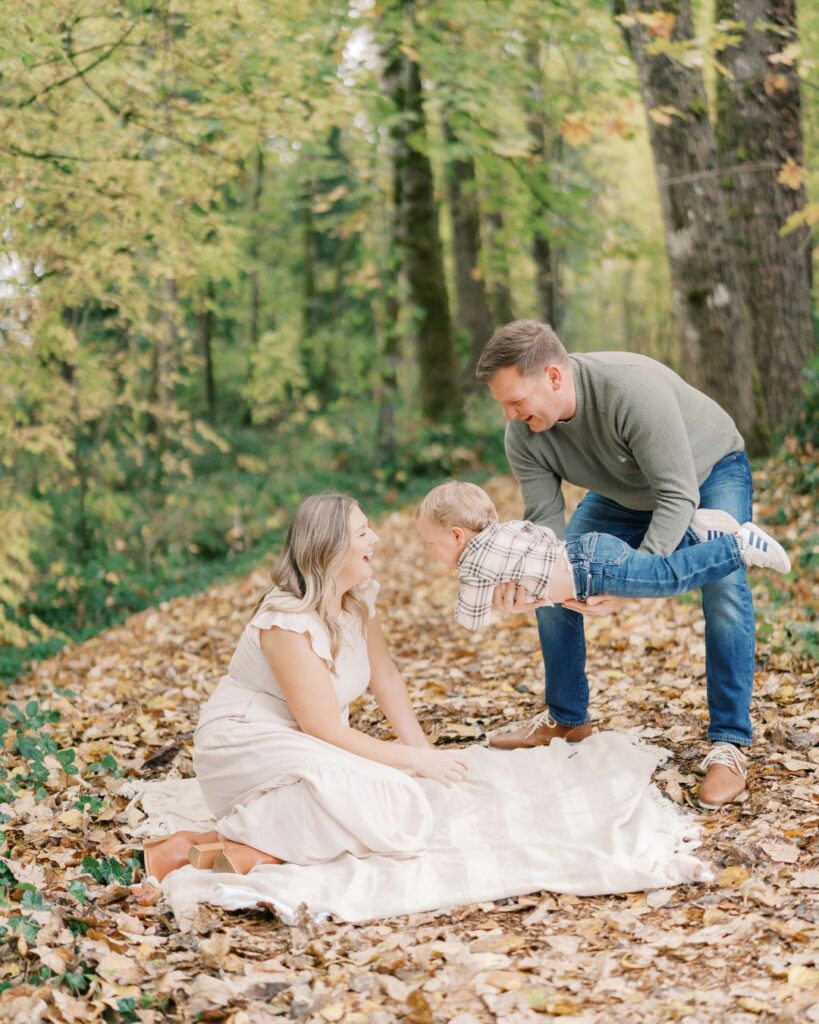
<point x="163" y="854"/>
<point x="239" y="859"/>
<point x="203" y="855"/>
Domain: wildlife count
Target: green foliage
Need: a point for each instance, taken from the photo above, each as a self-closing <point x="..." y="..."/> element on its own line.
<point x="33" y="743"/>
<point x="108" y="870"/>
<point x="198" y="275"/>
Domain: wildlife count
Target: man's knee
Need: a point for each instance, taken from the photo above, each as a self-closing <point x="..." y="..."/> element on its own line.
<point x="728" y="599"/>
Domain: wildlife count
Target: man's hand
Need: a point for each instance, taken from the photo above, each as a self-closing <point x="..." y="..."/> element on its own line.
<point x="597" y="604"/>
<point x="512" y="597"/>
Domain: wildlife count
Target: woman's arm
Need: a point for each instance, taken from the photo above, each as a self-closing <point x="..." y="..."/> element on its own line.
<point x="390" y="690"/>
<point x="305" y="682"/>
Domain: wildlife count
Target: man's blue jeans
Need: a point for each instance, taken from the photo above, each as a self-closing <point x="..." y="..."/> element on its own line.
<point x="727" y="606"/>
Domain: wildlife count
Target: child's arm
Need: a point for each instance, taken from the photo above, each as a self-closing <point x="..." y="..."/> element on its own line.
<point x="474" y="605"/>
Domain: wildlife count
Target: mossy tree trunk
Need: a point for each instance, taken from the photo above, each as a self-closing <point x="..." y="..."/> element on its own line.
<point x="759" y="135"/>
<point x="708" y="296"/>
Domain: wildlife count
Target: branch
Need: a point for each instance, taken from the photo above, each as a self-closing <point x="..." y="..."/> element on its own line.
<point x="685" y="179"/>
<point x="56" y="157"/>
<point x="79" y="73"/>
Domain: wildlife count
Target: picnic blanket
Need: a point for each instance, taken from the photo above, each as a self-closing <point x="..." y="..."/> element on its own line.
<point x="583" y="819"/>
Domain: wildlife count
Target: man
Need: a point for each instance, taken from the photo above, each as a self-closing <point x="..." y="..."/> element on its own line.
<point x="651" y="449"/>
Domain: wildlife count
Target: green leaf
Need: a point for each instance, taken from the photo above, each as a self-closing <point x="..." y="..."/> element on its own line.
<point x="78" y="891"/>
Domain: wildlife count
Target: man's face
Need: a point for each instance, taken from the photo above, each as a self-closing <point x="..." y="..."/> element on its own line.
<point x="539" y="400"/>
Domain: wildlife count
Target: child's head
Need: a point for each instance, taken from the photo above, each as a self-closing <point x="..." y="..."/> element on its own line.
<point x="450" y="516"/>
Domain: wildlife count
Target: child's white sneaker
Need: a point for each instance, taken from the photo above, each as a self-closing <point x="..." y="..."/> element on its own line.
<point x="711" y="523"/>
<point x="759" y="548"/>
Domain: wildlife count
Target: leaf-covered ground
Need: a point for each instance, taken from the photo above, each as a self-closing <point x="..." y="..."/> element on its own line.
<point x="85" y="938"/>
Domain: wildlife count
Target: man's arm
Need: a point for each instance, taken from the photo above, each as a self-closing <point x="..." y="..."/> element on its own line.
<point x="539" y="484"/>
<point x="650" y="422"/>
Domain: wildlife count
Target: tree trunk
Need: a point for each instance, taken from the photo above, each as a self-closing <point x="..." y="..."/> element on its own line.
<point x="255" y="248"/>
<point x="544" y="252"/>
<point x="438" y="385"/>
<point x="759" y="131"/>
<point x="386" y="441"/>
<point x="714" y="322"/>
<point x="205" y="320"/>
<point x="473" y="308"/>
<point x="500" y="291"/>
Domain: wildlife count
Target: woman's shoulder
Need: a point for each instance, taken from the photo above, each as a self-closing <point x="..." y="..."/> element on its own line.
<point x="273" y="615"/>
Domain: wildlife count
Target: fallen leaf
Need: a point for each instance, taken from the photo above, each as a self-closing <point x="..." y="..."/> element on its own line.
<point x="783" y="853"/>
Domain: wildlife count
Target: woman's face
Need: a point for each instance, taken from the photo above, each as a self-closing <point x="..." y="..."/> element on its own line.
<point x="358" y="565"/>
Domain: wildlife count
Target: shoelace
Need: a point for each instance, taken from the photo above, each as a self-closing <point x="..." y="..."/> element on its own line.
<point x="728" y="755"/>
<point x="544" y="718"/>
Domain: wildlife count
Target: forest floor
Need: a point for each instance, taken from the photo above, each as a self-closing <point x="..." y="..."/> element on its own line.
<point x="88" y="939"/>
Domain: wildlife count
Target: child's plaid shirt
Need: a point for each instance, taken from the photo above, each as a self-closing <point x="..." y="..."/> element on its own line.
<point x="518" y="551"/>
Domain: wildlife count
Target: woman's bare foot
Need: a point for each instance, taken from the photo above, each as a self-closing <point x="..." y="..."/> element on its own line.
<point x="238" y="859"/>
<point x="165" y="854"/>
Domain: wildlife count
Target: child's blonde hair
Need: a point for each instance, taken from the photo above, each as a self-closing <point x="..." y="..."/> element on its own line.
<point x="459" y="504"/>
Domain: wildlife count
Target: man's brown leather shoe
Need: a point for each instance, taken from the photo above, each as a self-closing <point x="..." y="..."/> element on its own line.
<point x="538" y="732"/>
<point x="726" y="775"/>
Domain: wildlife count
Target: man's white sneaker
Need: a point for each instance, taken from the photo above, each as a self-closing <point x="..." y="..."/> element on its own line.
<point x="711" y="523"/>
<point x="759" y="548"/>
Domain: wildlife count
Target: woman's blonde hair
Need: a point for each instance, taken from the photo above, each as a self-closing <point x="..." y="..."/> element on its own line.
<point x="305" y="578"/>
<point x="459" y="504"/>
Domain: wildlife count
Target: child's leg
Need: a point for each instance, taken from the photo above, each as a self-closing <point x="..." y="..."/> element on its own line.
<point x="602" y="564"/>
<point x="561" y="585"/>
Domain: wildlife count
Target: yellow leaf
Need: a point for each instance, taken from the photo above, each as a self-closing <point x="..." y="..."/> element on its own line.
<point x="791" y="175"/>
<point x="732" y="876"/>
<point x="576" y="130"/>
<point x="72" y="818"/>
<point x="497" y="944"/>
<point x="663" y="115"/>
<point x="116" y="967"/>
<point x="332" y="1011"/>
<point x="773" y="84"/>
<point x="803" y="976"/>
<point x="659" y="23"/>
<point x="788" y="56"/>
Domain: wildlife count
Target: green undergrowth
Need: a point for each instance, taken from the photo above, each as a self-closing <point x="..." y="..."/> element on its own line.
<point x="143" y="546"/>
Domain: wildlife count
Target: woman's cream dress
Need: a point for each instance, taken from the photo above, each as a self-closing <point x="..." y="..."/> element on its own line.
<point x="270" y="785"/>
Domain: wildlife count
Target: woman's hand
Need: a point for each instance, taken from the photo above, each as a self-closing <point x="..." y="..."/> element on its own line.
<point x="448" y="767"/>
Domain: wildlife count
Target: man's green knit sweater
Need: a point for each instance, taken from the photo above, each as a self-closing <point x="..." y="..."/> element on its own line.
<point x="640" y="435"/>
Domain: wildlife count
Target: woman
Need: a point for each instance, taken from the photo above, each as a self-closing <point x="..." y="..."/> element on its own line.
<point x="284" y="775"/>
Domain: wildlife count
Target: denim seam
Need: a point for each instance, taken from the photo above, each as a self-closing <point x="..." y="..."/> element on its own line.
<point x="724" y="737"/>
<point x="569" y="725"/>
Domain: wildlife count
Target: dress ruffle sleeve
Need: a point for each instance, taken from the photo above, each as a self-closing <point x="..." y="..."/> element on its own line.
<point x="296" y="622"/>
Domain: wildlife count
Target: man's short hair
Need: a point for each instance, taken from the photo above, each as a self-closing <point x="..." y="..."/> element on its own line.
<point x="528" y="345"/>
<point x="457" y="503"/>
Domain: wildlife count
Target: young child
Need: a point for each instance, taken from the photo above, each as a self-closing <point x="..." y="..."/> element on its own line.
<point x="459" y="526"/>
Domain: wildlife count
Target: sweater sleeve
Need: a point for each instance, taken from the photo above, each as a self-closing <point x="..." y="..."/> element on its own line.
<point x="542" y="497"/>
<point x="653" y="428"/>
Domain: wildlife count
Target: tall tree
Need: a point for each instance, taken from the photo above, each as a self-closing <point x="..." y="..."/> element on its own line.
<point x="439" y="385"/>
<point x="386" y="440"/>
<point x="759" y="134"/>
<point x="544" y="252"/>
<point x="470" y="288"/>
<point x="500" y="290"/>
<point x="708" y="296"/>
